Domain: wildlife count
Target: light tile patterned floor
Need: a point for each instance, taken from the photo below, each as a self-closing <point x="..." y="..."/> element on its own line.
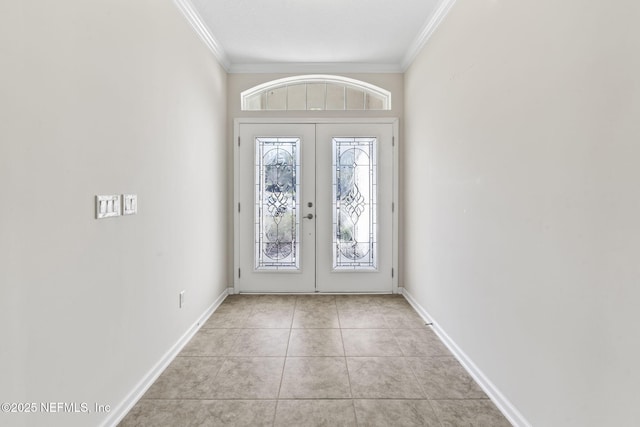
<point x="315" y="360"/>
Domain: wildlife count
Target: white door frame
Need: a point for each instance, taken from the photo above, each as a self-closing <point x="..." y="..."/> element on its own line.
<point x="236" y="179"/>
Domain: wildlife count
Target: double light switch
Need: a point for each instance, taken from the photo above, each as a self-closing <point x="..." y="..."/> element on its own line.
<point x="116" y="205"/>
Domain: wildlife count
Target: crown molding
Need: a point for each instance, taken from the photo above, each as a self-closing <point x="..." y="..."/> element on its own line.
<point x="196" y="22"/>
<point x="198" y="25"/>
<point x="427" y="31"/>
<point x="314" y="68"/>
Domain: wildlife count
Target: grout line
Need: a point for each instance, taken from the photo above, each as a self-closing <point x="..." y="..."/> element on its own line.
<point x="346" y="364"/>
<point x="225" y="357"/>
<point x="398" y="344"/>
<point x="286" y="356"/>
<point x="355" y="413"/>
<point x="275" y="411"/>
<point x="284" y="363"/>
<point x="427" y="398"/>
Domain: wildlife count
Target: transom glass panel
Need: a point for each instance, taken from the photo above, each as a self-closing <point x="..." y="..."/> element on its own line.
<point x="277" y="219"/>
<point x="354" y="204"/>
<point x="315" y="92"/>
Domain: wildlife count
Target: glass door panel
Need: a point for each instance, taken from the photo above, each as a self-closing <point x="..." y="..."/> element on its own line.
<point x="354" y="170"/>
<point x="277" y="205"/>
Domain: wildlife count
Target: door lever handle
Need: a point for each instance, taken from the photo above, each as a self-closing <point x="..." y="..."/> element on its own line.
<point x="309" y="216"/>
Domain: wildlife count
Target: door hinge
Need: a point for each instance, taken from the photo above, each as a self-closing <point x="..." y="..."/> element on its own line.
<point x="392" y="273"/>
<point x="393" y="141"/>
<point x="238" y="273"/>
<point x="393" y="207"/>
<point x="238" y="141"/>
<point x="238" y="207"/>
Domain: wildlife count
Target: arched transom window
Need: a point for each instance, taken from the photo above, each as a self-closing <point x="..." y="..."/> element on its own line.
<point x="315" y="92"/>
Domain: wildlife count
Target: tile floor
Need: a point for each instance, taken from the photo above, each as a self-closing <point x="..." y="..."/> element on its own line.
<point x="315" y="360"/>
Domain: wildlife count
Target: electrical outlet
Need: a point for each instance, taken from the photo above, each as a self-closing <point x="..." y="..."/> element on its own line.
<point x="182" y="299"/>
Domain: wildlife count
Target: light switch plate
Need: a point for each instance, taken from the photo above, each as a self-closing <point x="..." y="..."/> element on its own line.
<point x="107" y="206"/>
<point x="129" y="204"/>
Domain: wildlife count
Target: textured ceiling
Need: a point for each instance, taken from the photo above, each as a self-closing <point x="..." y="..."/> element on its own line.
<point x="278" y="33"/>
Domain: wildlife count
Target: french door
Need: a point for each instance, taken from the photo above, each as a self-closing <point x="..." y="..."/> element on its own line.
<point x="315" y="207"/>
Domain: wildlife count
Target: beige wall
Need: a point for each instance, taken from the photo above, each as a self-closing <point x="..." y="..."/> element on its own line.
<point x="102" y="97"/>
<point x="522" y="202"/>
<point x="237" y="83"/>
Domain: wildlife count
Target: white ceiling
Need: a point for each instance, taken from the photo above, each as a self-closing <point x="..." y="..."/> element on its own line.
<point x="315" y="35"/>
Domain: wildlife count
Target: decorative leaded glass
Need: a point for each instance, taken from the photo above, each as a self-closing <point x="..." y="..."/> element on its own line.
<point x="354" y="204"/>
<point x="277" y="221"/>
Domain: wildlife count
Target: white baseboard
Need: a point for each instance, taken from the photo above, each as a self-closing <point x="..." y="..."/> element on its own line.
<point x="120" y="411"/>
<point x="507" y="408"/>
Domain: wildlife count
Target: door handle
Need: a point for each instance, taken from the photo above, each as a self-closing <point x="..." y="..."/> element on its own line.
<point x="309" y="216"/>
